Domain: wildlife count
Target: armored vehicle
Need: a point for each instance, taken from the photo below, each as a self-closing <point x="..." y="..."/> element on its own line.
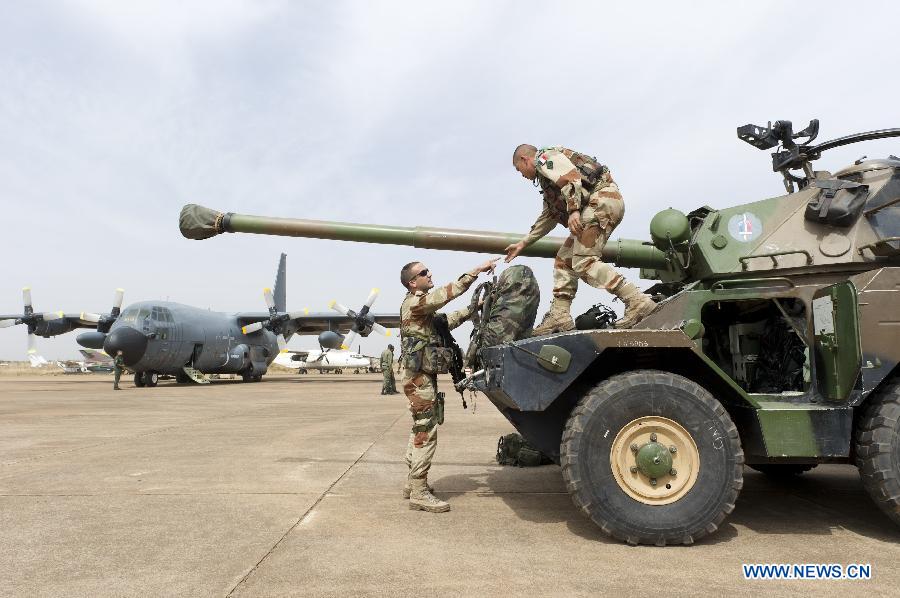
<point x="773" y="345"/>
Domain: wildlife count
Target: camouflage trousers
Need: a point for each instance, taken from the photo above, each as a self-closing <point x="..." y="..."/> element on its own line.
<point x="579" y="257"/>
<point x="420" y="390"/>
<point x="117" y="373"/>
<point x="389" y="385"/>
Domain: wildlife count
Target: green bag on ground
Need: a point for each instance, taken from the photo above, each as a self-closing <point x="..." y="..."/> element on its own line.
<point x="512" y="449"/>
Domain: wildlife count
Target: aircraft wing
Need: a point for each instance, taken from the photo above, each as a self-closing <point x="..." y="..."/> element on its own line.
<point x="314" y="323"/>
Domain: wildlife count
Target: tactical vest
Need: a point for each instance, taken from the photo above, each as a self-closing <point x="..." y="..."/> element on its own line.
<point x="592" y="174"/>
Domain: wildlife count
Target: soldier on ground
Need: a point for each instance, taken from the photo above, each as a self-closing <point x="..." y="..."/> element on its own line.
<point x="389" y="385"/>
<point x="580" y="194"/>
<point x="118" y="366"/>
<point x="420" y="353"/>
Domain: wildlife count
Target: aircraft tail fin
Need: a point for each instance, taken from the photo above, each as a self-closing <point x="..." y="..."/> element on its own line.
<point x="280" y="288"/>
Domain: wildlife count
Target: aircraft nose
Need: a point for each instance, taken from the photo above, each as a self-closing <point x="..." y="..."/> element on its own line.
<point x="129" y="341"/>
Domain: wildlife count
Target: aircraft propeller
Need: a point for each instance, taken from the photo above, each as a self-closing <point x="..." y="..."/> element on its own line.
<point x="105" y="321"/>
<point x="363" y="323"/>
<point x="276" y="320"/>
<point x="30" y="318"/>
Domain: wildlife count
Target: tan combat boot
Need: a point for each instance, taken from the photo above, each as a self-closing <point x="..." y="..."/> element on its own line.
<point x="420" y="499"/>
<point x="407" y="489"/>
<point x="557" y="319"/>
<point x="638" y="305"/>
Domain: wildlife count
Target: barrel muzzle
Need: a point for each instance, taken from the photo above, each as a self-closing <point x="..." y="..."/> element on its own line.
<point x="199" y="222"/>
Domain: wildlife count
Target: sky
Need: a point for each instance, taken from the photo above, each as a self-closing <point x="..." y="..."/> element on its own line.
<point x="115" y="114"/>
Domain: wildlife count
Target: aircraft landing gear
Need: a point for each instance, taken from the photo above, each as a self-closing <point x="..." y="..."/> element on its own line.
<point x="139" y="379"/>
<point x="151" y="379"/>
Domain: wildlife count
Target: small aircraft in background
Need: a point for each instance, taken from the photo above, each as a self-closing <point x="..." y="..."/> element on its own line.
<point x="325" y="360"/>
<point x="159" y="338"/>
<point x="95" y="362"/>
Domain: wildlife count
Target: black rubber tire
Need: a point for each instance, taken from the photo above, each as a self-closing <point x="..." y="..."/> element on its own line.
<point x="247" y="375"/>
<point x="182" y="378"/>
<point x="877" y="441"/>
<point x="139" y="379"/>
<point x="151" y="379"/>
<point x="782" y="471"/>
<point x="585" y="458"/>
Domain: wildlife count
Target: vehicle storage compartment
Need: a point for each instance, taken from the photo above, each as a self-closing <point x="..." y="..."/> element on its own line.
<point x="760" y="343"/>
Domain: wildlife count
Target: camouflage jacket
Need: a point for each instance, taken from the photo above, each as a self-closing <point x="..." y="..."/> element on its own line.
<point x="560" y="175"/>
<point x="387" y="359"/>
<point x="119" y="361"/>
<point x="418" y="309"/>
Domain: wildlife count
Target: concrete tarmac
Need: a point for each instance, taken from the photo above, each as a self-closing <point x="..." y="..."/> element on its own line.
<point x="292" y="487"/>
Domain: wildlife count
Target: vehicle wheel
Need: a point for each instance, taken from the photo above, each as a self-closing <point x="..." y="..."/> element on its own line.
<point x="782" y="471"/>
<point x="247" y="376"/>
<point x="151" y="379"/>
<point x="878" y="450"/>
<point x="257" y="378"/>
<point x="652" y="458"/>
<point x="182" y="378"/>
<point x="139" y="379"/>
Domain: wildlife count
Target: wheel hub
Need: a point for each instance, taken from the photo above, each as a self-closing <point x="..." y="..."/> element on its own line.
<point x="654" y="460"/>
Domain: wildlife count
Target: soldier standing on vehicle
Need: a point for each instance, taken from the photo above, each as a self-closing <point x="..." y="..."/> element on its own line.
<point x="580" y="194"/>
<point x="423" y="357"/>
<point x="389" y="386"/>
<point x="118" y="366"/>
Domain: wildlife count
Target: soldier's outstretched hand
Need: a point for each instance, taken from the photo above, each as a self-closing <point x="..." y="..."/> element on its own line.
<point x="513" y="250"/>
<point x="488" y="266"/>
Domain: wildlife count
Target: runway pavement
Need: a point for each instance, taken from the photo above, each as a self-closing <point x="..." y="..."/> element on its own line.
<point x="292" y="487"/>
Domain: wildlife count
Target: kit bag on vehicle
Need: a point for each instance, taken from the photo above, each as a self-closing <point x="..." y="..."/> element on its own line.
<point x="508" y="313"/>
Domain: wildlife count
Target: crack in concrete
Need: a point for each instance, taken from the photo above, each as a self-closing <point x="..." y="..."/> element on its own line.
<point x="311" y="508"/>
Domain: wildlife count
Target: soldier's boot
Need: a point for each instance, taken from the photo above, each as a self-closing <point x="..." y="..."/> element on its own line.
<point x="407" y="489"/>
<point x="421" y="499"/>
<point x="557" y="319"/>
<point x="638" y="305"/>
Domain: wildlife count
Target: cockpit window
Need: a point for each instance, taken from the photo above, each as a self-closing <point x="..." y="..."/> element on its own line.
<point x="129" y="315"/>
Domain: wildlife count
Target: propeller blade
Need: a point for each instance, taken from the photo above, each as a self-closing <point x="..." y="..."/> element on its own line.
<point x="89" y="317"/>
<point x="281" y="342"/>
<point x="51" y="315"/>
<point x="118" y="298"/>
<point x="32" y="343"/>
<point x="270" y="298"/>
<point x="293" y="315"/>
<point x="376" y="327"/>
<point x="249" y="328"/>
<point x="339" y="308"/>
<point x="348" y="340"/>
<point x="26" y="296"/>
<point x="7" y="323"/>
<point x="373" y="294"/>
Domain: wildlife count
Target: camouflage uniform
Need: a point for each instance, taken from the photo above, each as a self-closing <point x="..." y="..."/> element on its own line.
<point x="601" y="210"/>
<point x="389" y="385"/>
<point x="416" y="323"/>
<point x="118" y="366"/>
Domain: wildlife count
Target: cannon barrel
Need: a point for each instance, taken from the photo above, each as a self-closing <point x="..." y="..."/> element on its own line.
<point x="198" y="222"/>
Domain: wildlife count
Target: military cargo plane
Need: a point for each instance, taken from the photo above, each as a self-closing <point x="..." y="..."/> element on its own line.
<point x="160" y="338"/>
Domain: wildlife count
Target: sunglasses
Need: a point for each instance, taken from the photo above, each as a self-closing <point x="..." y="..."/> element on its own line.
<point x="423" y="273"/>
